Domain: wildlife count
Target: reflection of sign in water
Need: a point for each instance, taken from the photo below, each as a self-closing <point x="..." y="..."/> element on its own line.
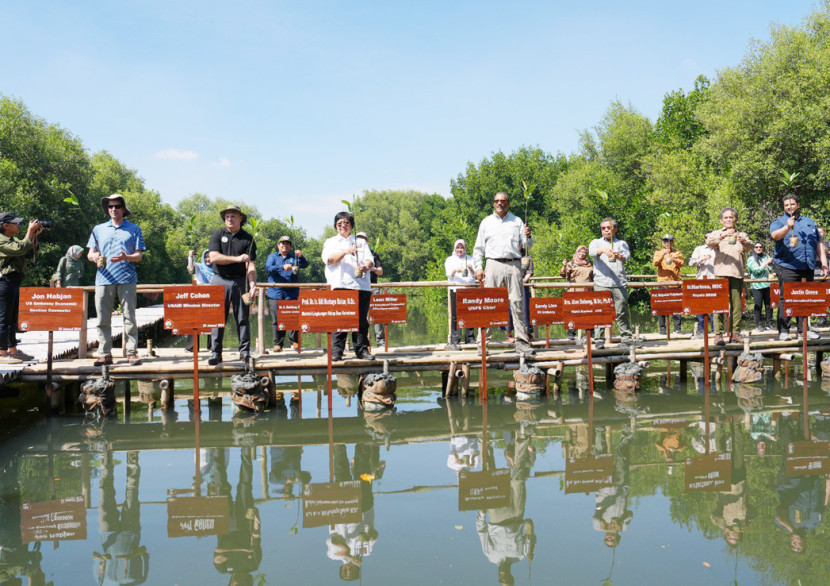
<point x="288" y="315"/>
<point x="706" y="296"/>
<point x="188" y="308"/>
<point x="805" y="299"/>
<point x="583" y="310"/>
<point x="330" y="503"/>
<point x="387" y="309"/>
<point x="486" y="489"/>
<point x="328" y="311"/>
<point x="49" y="309"/>
<point x="709" y="473"/>
<point x="666" y="301"/>
<point x="807" y="458"/>
<point x="197" y="515"/>
<point x="589" y="474"/>
<point x="482" y="308"/>
<point x="545" y="311"/>
<point x="58" y="520"/>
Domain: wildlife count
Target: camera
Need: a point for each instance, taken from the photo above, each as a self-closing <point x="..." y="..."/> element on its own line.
<point x="45" y="224"/>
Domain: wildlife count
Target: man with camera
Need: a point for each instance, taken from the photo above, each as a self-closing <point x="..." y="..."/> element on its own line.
<point x="13" y="254"/>
<point x="115" y="246"/>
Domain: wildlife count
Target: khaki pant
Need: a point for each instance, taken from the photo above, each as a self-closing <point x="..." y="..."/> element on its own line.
<point x="105" y="296"/>
<point x="509" y="274"/>
<point x="733" y="325"/>
<point x="620" y="297"/>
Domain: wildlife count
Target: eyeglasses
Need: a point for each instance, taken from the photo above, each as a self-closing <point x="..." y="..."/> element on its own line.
<point x="498" y="201"/>
<point x="115" y="206"/>
<point x="344" y="223"/>
<point x="605" y="227"/>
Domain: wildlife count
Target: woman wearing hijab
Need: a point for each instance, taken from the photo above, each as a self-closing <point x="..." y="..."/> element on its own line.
<point x="70" y="268"/>
<point x="203" y="273"/>
<point x="577" y="270"/>
<point x="759" y="266"/>
<point x="459" y="269"/>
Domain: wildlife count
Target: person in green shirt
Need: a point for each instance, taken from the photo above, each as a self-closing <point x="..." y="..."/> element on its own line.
<point x="759" y="266"/>
<point x="13" y="253"/>
<point x="70" y="268"/>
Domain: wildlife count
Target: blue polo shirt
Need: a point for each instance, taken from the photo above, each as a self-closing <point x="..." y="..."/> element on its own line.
<point x="112" y="240"/>
<point x="276" y="274"/>
<point x="803" y="255"/>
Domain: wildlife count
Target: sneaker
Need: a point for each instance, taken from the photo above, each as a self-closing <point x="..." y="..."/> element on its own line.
<point x="215" y="359"/>
<point x="811" y="335"/>
<point x="295" y="345"/>
<point x="133" y="360"/>
<point x="697" y="336"/>
<point x="22" y="356"/>
<point x="719" y="340"/>
<point x="663" y="332"/>
<point x="7" y="359"/>
<point x="364" y="354"/>
<point x="276" y="349"/>
<point x="103" y="360"/>
<point x="524" y="348"/>
<point x="453" y="347"/>
<point x="736" y="338"/>
<point x="784" y="337"/>
<point x="336" y="355"/>
<point x="678" y="332"/>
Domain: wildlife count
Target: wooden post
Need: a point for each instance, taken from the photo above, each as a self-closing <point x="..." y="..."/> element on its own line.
<point x="684" y="370"/>
<point x="386" y="337"/>
<point x="465" y="385"/>
<point x="706" y="351"/>
<point x="776" y="368"/>
<point x="82" y="335"/>
<point x="590" y="375"/>
<point x="124" y="335"/>
<point x="547" y="336"/>
<point x="449" y="316"/>
<point x="819" y="359"/>
<point x="260" y="322"/>
<point x="483" y="375"/>
<point x="328" y="371"/>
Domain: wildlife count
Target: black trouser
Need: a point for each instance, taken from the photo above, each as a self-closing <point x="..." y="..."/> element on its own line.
<point x="761" y="297"/>
<point x="455" y="333"/>
<point x="279" y="335"/>
<point x="9" y="306"/>
<point x="661" y="321"/>
<point x="786" y="275"/>
<point x="360" y="338"/>
<point x="234" y="288"/>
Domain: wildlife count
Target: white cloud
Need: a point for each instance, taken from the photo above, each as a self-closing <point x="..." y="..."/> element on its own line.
<point x="223" y="162"/>
<point x="177" y="155"/>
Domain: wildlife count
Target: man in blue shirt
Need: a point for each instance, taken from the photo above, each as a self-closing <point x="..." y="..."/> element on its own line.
<point x="115" y="246"/>
<point x="283" y="267"/>
<point x="797" y="248"/>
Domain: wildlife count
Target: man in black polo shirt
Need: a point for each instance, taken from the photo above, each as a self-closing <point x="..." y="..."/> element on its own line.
<point x="233" y="252"/>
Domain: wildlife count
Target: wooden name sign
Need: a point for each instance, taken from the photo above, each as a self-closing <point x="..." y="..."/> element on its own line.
<point x="387" y="309"/>
<point x="188" y="308"/>
<point x="288" y="315"/>
<point x="709" y="473"/>
<point x="487" y="489"/>
<point x="331" y="503"/>
<point x="805" y="299"/>
<point x="59" y="520"/>
<point x="196" y="516"/>
<point x="807" y="458"/>
<point x="584" y="310"/>
<point x="329" y="311"/>
<point x="666" y="301"/>
<point x="546" y="311"/>
<point x="706" y="296"/>
<point x="45" y="309"/>
<point x="482" y="308"/>
<point x="589" y="474"/>
<point x="774" y="295"/>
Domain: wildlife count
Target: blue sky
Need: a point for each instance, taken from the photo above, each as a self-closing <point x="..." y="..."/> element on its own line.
<point x="293" y="106"/>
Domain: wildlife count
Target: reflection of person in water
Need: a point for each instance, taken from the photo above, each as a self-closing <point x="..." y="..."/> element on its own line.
<point x="16" y="560"/>
<point x="123" y="560"/>
<point x="506" y="536"/>
<point x="349" y="543"/>
<point x="611" y="513"/>
<point x="731" y="512"/>
<point x="286" y="469"/>
<point x="465" y="453"/>
<point x="239" y="552"/>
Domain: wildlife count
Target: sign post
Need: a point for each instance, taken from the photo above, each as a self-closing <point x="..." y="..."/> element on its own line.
<point x="707" y="297"/>
<point x="194" y="310"/>
<point x="546" y="311"/>
<point x="288" y="318"/>
<point x="386" y="309"/>
<point x="329" y="312"/>
<point x="805" y="300"/>
<point x="485" y="307"/>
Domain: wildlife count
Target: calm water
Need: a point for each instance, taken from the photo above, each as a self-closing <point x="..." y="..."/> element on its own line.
<point x="630" y="490"/>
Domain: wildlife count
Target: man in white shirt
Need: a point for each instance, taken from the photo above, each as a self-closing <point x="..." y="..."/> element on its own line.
<point x="501" y="238"/>
<point x="703" y="258"/>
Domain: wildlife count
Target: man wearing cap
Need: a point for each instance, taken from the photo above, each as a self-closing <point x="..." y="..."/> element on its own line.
<point x="375" y="272"/>
<point x="233" y="252"/>
<point x="668" y="262"/>
<point x="501" y="238"/>
<point x="115" y="246"/>
<point x="13" y="253"/>
<point x="283" y="267"/>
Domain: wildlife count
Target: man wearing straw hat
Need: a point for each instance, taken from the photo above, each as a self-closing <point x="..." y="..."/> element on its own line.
<point x="233" y="252"/>
<point x="282" y="266"/>
<point x="115" y="246"/>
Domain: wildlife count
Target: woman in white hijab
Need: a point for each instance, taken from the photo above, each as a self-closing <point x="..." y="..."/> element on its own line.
<point x="459" y="269"/>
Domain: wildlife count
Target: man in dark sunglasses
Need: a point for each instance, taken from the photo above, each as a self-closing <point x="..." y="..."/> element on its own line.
<point x="115" y="246"/>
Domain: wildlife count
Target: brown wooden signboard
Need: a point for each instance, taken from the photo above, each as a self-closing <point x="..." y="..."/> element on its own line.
<point x="196" y="516"/>
<point x="583" y="310"/>
<point x="288" y="315"/>
<point x="589" y="474"/>
<point x="666" y="301"/>
<point x="59" y="520"/>
<point x="329" y="311"/>
<point x="709" y="473"/>
<point x="188" y="308"/>
<point x="774" y="294"/>
<point x="545" y="311"/>
<point x="482" y="308"/>
<point x="807" y="458"/>
<point x="330" y="503"/>
<point x="44" y="309"/>
<point x="706" y="296"/>
<point x="805" y="299"/>
<point x="485" y="489"/>
<point x="387" y="308"/>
